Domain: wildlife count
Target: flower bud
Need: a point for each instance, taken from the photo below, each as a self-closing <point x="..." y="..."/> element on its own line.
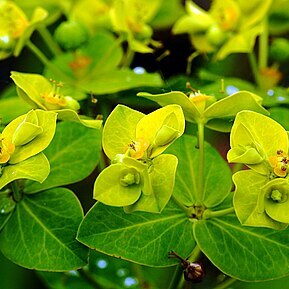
<point x="245" y="155"/>
<point x="71" y="35"/>
<point x="27" y="130"/>
<point x="130" y="177"/>
<point x="165" y="135"/>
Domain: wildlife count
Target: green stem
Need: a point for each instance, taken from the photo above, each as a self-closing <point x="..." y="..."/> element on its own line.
<point x="201" y="129"/>
<point x="17" y="194"/>
<point x="187" y="211"/>
<point x="128" y="57"/>
<point x="263" y="46"/>
<point x="254" y="67"/>
<point x="48" y="39"/>
<point x="215" y="214"/>
<point x="195" y="255"/>
<point x="54" y="69"/>
<point x="86" y="275"/>
<point x="175" y="278"/>
<point x="229" y="281"/>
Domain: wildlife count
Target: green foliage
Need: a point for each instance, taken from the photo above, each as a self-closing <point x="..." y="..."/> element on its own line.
<point x="162" y="189"/>
<point x="39" y="224"/>
<point x="112" y="231"/>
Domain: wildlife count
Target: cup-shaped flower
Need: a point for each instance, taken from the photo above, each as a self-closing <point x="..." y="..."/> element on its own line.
<point x="41" y="93"/>
<point x="261" y="196"/>
<point x="217" y="115"/>
<point x="257" y="141"/>
<point x="276" y="201"/>
<point x="140" y="176"/>
<point x="21" y="144"/>
<point x="29" y="134"/>
<point x="130" y="17"/>
<point x="15" y="28"/>
<point x="227" y="27"/>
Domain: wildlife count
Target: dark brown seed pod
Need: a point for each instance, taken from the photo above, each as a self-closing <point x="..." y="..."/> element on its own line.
<point x="193" y="271"/>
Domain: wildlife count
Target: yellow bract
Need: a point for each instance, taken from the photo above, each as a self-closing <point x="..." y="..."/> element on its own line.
<point x="279" y="163"/>
<point x="138" y="148"/>
<point x="6" y="149"/>
<point x="13" y="20"/>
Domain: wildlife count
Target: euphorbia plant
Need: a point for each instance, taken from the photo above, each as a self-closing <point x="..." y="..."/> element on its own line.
<point x="90" y="172"/>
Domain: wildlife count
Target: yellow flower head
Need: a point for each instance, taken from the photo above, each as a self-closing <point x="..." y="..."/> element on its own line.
<point x="279" y="163"/>
<point x="138" y="148"/>
<point x="6" y="149"/>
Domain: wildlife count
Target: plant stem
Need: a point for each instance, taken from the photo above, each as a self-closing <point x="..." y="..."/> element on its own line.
<point x="187" y="211"/>
<point x="176" y="274"/>
<point x="47" y="62"/>
<point x="48" y="39"/>
<point x="226" y="283"/>
<point x="201" y="129"/>
<point x="263" y="46"/>
<point x="17" y="194"/>
<point x="85" y="274"/>
<point x="214" y="214"/>
<point x="254" y="67"/>
<point x="195" y="255"/>
<point x="128" y="57"/>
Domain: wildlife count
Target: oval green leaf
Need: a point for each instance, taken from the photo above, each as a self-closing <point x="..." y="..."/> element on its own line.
<point x="113" y="232"/>
<point x="41" y="232"/>
<point x="217" y="177"/>
<point x="244" y="253"/>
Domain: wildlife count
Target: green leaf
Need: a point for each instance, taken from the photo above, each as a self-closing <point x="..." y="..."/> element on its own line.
<point x="220" y="114"/>
<point x="175" y="97"/>
<point x="4" y="219"/>
<point x="246" y="200"/>
<point x="109" y="190"/>
<point x="117" y="80"/>
<point x="162" y="179"/>
<point x="217" y="177"/>
<point x="11" y="108"/>
<point x="35" y="168"/>
<point x="73" y="154"/>
<point x="119" y="130"/>
<point x="71" y="115"/>
<point x="242" y="42"/>
<point x="41" y="232"/>
<point x="113" y="232"/>
<point x="248" y="254"/>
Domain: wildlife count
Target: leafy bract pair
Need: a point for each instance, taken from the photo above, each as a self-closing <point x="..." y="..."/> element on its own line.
<point x="201" y="108"/>
<point x="37" y="91"/>
<point x="21" y="144"/>
<point x="15" y="28"/>
<point x="130" y="17"/>
<point x="140" y="177"/>
<point x="228" y="27"/>
<point x="262" y="192"/>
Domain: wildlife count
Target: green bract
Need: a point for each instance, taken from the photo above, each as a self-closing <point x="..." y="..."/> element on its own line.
<point x="22" y="142"/>
<point x="130" y="17"/>
<point x="139" y="178"/>
<point x="201" y="108"/>
<point x="261" y="197"/>
<point x="228" y="27"/>
<point x="41" y="93"/>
